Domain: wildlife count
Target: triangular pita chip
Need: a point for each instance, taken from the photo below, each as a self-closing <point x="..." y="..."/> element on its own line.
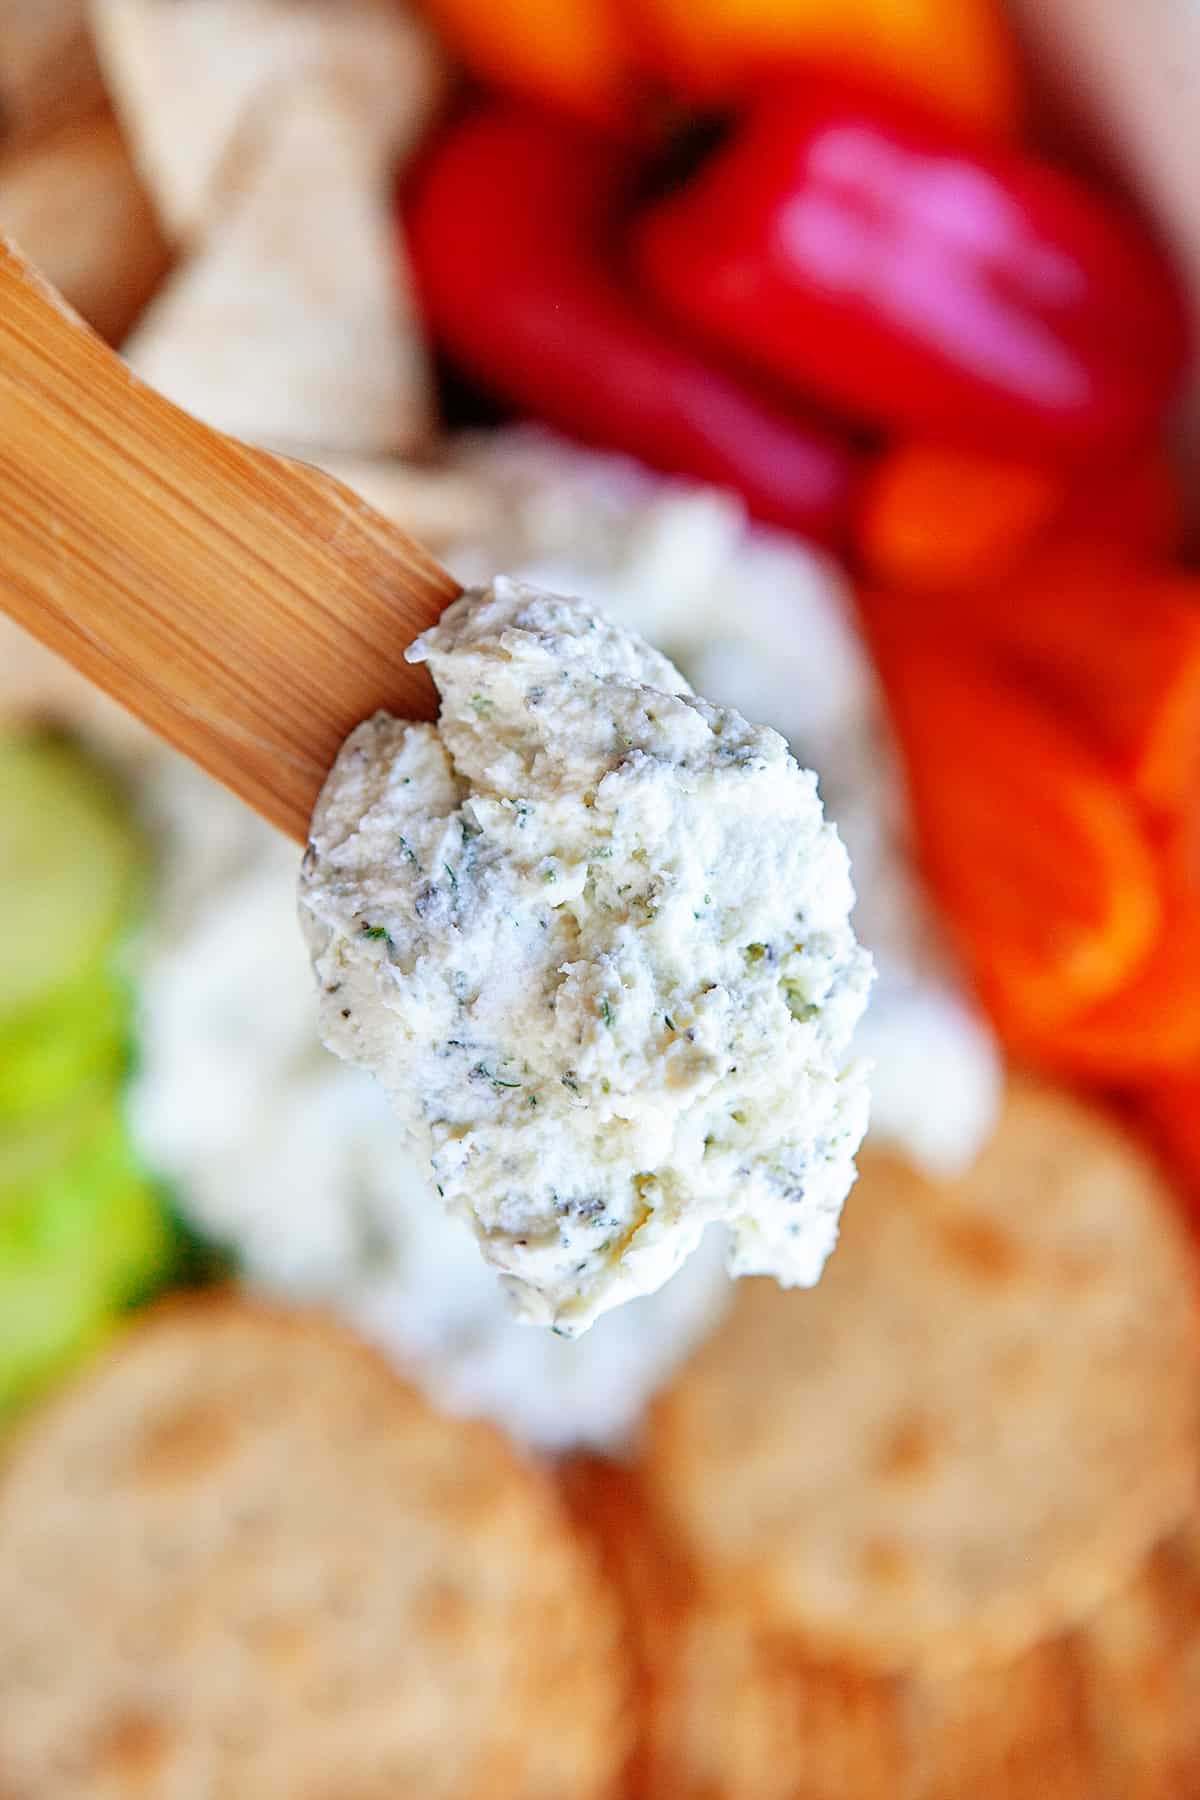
<point x="292" y="325"/>
<point x="196" y="83"/>
<point x="75" y="205"/>
<point x="48" y="73"/>
<point x="439" y="505"/>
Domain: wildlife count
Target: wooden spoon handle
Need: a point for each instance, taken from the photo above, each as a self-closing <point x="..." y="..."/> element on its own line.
<point x="251" y="610"/>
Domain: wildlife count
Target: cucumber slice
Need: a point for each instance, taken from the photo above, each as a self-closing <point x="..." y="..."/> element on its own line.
<point x="41" y="1150"/>
<point x="70" y="855"/>
<point x="81" y="1236"/>
<point x="78" y="1038"/>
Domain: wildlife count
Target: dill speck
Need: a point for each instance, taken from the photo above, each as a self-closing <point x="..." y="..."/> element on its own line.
<point x="496" y="1080"/>
<point x="606" y="1012"/>
<point x="452" y="875"/>
<point x="379" y="933"/>
<point x="480" y="706"/>
<point x="668" y="1021"/>
<point x="406" y="850"/>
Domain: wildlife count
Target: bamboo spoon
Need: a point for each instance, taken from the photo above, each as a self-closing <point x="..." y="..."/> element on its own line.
<point x="249" y="609"/>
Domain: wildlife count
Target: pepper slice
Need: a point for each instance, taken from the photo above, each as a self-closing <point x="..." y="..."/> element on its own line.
<point x="1151" y="1025"/>
<point x="935" y="517"/>
<point x="859" y="250"/>
<point x="1035" y="853"/>
<point x="512" y="232"/>
<point x="1111" y="640"/>
<point x="960" y="59"/>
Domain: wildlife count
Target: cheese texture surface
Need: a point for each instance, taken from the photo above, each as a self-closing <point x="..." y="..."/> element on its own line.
<point x="593" y="936"/>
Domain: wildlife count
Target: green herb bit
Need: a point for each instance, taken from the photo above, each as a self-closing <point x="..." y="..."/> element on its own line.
<point x="606" y="1012"/>
<point x="496" y="1080"/>
<point x="480" y="706"/>
<point x="668" y="1021"/>
<point x="378" y="933"/>
<point x="406" y="850"/>
<point x="452" y="875"/>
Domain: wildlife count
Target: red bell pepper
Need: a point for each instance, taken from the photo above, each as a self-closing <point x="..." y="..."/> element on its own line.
<point x="857" y="249"/>
<point x="512" y="223"/>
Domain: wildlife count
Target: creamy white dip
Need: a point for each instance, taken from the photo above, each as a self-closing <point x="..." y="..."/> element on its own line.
<point x="592" y="934"/>
<point x="758" y="620"/>
<point x="297" y="1162"/>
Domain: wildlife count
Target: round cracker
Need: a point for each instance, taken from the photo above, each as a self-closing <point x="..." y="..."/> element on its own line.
<point x="975" y="1426"/>
<point x="733" y="1711"/>
<point x="1139" y="1659"/>
<point x="241" y="1558"/>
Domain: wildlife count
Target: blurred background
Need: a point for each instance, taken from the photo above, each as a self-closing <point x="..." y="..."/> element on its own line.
<point x="845" y="349"/>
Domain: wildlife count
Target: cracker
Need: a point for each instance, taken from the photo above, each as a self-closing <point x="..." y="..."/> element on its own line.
<point x="292" y="325"/>
<point x="1012" y="1732"/>
<point x="726" y="1712"/>
<point x="973" y="1429"/>
<point x="241" y="1558"/>
<point x="76" y="207"/>
<point x="439" y="504"/>
<point x="741" y="1715"/>
<point x="48" y="72"/>
<point x="197" y="83"/>
<point x="733" y="1711"/>
<point x="1140" y="1663"/>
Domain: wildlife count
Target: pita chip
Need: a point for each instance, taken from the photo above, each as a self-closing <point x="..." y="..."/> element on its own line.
<point x="197" y="84"/>
<point x="48" y="72"/>
<point x="75" y="205"/>
<point x="292" y="326"/>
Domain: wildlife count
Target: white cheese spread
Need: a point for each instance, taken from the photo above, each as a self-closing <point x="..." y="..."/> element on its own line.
<point x="758" y="620"/>
<point x="592" y="933"/>
<point x="297" y="1164"/>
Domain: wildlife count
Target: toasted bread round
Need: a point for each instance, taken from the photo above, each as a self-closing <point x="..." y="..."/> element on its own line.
<point x="976" y="1425"/>
<point x="242" y="1559"/>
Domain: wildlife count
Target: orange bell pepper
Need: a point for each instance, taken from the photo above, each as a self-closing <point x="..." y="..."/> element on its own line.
<point x="1035" y="853"/>
<point x="1151" y="1024"/>
<point x="1113" y="640"/>
<point x="600" y="58"/>
<point x="959" y="58"/>
<point x="572" y="55"/>
<point x="945" y="518"/>
<point x="932" y="516"/>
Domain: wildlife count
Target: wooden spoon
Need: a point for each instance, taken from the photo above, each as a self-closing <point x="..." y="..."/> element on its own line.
<point x="249" y="609"/>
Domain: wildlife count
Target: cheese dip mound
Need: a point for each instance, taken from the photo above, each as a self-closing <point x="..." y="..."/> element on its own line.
<point x="593" y="936"/>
